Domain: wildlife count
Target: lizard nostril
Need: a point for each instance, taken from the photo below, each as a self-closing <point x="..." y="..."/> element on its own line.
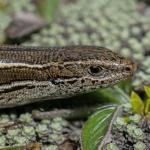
<point x="128" y="68"/>
<point x="131" y="67"/>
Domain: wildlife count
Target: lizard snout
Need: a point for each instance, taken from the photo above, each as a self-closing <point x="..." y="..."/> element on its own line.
<point x="131" y="67"/>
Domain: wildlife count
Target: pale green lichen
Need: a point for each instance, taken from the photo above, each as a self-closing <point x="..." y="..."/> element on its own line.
<point x="13" y="116"/>
<point x="11" y="133"/>
<point x="46" y="121"/>
<point x="42" y="130"/>
<point x="127" y="107"/>
<point x="119" y="123"/>
<point x="57" y="124"/>
<point x="135" y="132"/>
<point x="20" y="140"/>
<point x="56" y="138"/>
<point x="4" y="118"/>
<point x="140" y="146"/>
<point x="2" y="140"/>
<point x="112" y="146"/>
<point x="52" y="147"/>
<point x="28" y="131"/>
<point x="18" y="6"/>
<point x="135" y="118"/>
<point x="26" y="118"/>
<point x="47" y="130"/>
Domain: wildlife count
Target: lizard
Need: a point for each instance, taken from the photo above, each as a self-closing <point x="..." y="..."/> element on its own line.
<point x="31" y="74"/>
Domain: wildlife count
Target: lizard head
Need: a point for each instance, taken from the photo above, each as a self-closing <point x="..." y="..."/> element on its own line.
<point x="87" y="68"/>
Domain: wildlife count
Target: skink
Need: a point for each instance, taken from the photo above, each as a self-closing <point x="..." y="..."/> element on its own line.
<point x="30" y="74"/>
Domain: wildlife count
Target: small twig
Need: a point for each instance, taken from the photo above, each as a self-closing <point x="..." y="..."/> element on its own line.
<point x="76" y="113"/>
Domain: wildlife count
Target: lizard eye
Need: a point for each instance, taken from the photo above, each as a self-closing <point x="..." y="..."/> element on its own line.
<point x="95" y="70"/>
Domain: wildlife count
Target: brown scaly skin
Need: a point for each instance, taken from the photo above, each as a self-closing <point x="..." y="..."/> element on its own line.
<point x="29" y="74"/>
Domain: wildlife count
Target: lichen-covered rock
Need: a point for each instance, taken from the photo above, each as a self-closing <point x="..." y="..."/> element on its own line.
<point x="128" y="131"/>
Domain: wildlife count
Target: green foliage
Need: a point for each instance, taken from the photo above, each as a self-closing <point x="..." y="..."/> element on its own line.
<point x="14" y="148"/>
<point x="147" y="104"/>
<point x="47" y="8"/>
<point x="112" y="146"/>
<point x="96" y="127"/>
<point x="147" y="91"/>
<point x="138" y="105"/>
<point x="114" y="95"/>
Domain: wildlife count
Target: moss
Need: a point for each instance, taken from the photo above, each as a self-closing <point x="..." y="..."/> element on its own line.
<point x="26" y="118"/>
<point x="2" y="140"/>
<point x="112" y="146"/>
<point x="119" y="123"/>
<point x="52" y="147"/>
<point x="139" y="146"/>
<point x="135" y="132"/>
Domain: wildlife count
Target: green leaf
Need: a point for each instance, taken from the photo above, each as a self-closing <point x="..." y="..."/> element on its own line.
<point x="47" y="8"/>
<point x="96" y="127"/>
<point x="13" y="148"/>
<point x="147" y="91"/>
<point x="126" y="86"/>
<point x="114" y="94"/>
<point x="137" y="104"/>
<point x="147" y="106"/>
